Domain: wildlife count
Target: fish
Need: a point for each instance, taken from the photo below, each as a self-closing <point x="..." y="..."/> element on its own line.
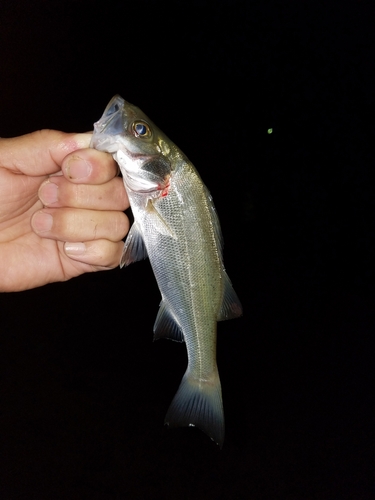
<point x="176" y="225"/>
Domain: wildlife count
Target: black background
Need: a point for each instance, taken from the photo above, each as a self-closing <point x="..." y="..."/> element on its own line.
<point x="83" y="388"/>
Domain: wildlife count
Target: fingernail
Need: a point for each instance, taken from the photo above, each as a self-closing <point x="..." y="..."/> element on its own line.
<point x="74" y="248"/>
<point x="48" y="193"/>
<point x="77" y="168"/>
<point x="42" y="222"/>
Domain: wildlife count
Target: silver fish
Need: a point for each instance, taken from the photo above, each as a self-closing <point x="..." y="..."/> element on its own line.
<point x="176" y="226"/>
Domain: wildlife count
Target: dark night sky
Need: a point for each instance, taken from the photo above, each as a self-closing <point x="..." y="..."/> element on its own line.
<point x="83" y="389"/>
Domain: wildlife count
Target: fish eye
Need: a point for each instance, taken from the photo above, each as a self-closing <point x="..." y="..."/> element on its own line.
<point x="141" y="129"/>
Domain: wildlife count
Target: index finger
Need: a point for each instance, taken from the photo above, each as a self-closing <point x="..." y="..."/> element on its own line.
<point x="41" y="152"/>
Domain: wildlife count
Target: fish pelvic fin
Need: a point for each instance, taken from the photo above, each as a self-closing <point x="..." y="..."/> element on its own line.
<point x="134" y="247"/>
<point x="231" y="306"/>
<point x="166" y="325"/>
<point x="199" y="403"/>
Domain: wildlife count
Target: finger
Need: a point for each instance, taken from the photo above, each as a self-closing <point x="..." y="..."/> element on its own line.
<point x="89" y="166"/>
<point x="98" y="253"/>
<point x="74" y="224"/>
<point x="41" y="152"/>
<point x="59" y="192"/>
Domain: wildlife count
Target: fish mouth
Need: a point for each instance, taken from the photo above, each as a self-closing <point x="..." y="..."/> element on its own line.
<point x="103" y="143"/>
<point x="111" y="124"/>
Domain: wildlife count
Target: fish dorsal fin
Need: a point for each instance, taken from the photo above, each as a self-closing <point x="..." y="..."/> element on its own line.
<point x="231" y="306"/>
<point x="166" y="325"/>
<point x="134" y="247"/>
<point x="158" y="222"/>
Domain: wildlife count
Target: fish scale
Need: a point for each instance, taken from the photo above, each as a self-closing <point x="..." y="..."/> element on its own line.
<point x="176" y="226"/>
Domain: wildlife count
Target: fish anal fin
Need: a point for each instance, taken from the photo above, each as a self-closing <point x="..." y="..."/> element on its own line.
<point x="231" y="306"/>
<point x="199" y="403"/>
<point x="134" y="247"/>
<point x="166" y="325"/>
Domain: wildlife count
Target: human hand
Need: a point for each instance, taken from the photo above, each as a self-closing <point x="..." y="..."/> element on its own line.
<point x="56" y="220"/>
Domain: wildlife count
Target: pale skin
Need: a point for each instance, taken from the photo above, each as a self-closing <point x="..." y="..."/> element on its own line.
<point x="61" y="209"/>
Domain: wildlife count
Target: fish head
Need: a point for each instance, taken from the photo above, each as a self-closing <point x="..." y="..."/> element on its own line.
<point x="140" y="148"/>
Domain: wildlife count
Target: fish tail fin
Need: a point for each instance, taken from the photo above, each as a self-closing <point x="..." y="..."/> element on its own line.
<point x="199" y="403"/>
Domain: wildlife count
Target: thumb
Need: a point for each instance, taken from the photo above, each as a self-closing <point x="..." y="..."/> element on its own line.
<point x="41" y="152"/>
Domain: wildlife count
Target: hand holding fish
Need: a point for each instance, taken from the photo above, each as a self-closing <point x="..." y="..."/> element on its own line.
<point x="61" y="209"/>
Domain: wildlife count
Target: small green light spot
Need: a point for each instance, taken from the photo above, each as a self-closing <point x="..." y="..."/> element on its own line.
<point x="269" y="131"/>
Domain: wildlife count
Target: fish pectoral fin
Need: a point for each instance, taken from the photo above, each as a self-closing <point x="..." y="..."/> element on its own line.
<point x="199" y="403"/>
<point x="158" y="222"/>
<point x="231" y="306"/>
<point x="166" y="325"/>
<point x="134" y="247"/>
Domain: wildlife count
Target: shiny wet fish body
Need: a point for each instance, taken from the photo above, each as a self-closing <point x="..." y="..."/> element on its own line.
<point x="176" y="226"/>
